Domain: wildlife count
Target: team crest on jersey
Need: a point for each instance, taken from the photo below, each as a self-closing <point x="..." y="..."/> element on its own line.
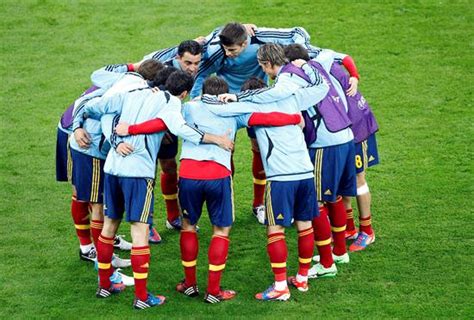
<point x="328" y="192"/>
<point x="362" y="103"/>
<point x="280" y="216"/>
<point x="336" y="99"/>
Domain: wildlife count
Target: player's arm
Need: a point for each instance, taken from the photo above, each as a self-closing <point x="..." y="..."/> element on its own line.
<point x="105" y="77"/>
<point x="147" y="127"/>
<point x="210" y="63"/>
<point x="310" y="96"/>
<point x="163" y="54"/>
<point x="96" y="107"/>
<point x="273" y="119"/>
<point x="349" y="64"/>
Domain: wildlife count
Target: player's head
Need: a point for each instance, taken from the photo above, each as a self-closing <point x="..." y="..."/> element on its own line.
<point x="179" y="84"/>
<point x="163" y="75"/>
<point x="271" y="57"/>
<point x="189" y="56"/>
<point x="215" y="86"/>
<point x="149" y="68"/>
<point x="296" y="51"/>
<point x="253" y="83"/>
<point x="234" y="39"/>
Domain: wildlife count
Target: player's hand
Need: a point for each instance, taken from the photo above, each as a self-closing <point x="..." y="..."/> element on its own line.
<point x="122" y="129"/>
<point x="225" y="142"/>
<point x="301" y="124"/>
<point x="82" y="137"/>
<point x="298" y="62"/>
<point x="201" y="40"/>
<point x="250" y="28"/>
<point x="353" y="84"/>
<point x="124" y="149"/>
<point x="167" y="138"/>
<point x="227" y="97"/>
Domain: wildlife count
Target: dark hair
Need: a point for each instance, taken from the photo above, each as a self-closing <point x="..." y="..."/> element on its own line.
<point x="253" y="83"/>
<point x="178" y="82"/>
<point x="191" y="46"/>
<point x="215" y="86"/>
<point x="233" y="34"/>
<point x="163" y="75"/>
<point x="149" y="68"/>
<point x="296" y="51"/>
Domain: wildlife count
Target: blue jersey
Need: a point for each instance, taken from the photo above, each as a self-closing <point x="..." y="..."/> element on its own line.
<point x="237" y="70"/>
<point x="197" y="114"/>
<point x="134" y="107"/>
<point x="283" y="149"/>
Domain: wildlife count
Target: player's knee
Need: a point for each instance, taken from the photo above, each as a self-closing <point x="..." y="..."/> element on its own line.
<point x="139" y="232"/>
<point x="275" y="229"/>
<point x="360" y="178"/>
<point x="187" y="226"/>
<point x="221" y="231"/>
<point x="364" y="189"/>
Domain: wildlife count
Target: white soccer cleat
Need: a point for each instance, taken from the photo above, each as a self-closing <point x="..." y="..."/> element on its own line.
<point x="259" y="213"/>
<point x="319" y="271"/>
<point x="127" y="280"/>
<point x="120" y="263"/>
<point x="121" y="243"/>
<point x="337" y="259"/>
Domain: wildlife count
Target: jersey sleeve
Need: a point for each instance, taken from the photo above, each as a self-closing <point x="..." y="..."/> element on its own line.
<point x="284" y="36"/>
<point x="273" y="119"/>
<point x="282" y="89"/>
<point x="105" y="77"/>
<point x="147" y="127"/>
<point x="163" y="54"/>
<point x="309" y="96"/>
<point x="96" y="107"/>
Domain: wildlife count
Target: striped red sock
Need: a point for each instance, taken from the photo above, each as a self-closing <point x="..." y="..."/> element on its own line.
<point x="105" y="250"/>
<point x="140" y="257"/>
<point x="189" y="252"/>
<point x="322" y="237"/>
<point x="80" y="216"/>
<point x="259" y="179"/>
<point x="278" y="253"/>
<point x="96" y="230"/>
<point x="217" y="254"/>
<point x="365" y="225"/>
<point x="305" y="250"/>
<point x="337" y="216"/>
<point x="350" y="226"/>
<point x="169" y="188"/>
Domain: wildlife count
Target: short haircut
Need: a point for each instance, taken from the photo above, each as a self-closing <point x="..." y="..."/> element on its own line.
<point x="191" y="46"/>
<point x="215" y="86"/>
<point x="272" y="53"/>
<point x="178" y="82"/>
<point x="162" y="76"/>
<point x="233" y="34"/>
<point x="149" y="68"/>
<point x="296" y="51"/>
<point x="253" y="83"/>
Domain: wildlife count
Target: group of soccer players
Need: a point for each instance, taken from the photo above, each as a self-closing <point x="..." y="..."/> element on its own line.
<point x="312" y="134"/>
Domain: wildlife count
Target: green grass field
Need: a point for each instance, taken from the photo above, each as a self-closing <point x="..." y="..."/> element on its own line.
<point x="416" y="62"/>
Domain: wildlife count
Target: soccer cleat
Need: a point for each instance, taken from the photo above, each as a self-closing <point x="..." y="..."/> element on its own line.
<point x="223" y="295"/>
<point x="154" y="236"/>
<point x="351" y="234"/>
<point x="259" y="213"/>
<point x="337" y="259"/>
<point x="319" y="271"/>
<point x="301" y="286"/>
<point x="115" y="288"/>
<point x="174" y="225"/>
<point x="362" y="241"/>
<point x="271" y="294"/>
<point x="90" y="256"/>
<point x="121" y="277"/>
<point x="122" y="244"/>
<point x="118" y="262"/>
<point x="191" y="291"/>
<point x="151" y="301"/>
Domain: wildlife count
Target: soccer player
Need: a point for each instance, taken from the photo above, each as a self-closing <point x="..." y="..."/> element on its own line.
<point x="290" y="190"/>
<point x="129" y="180"/>
<point x="205" y="175"/>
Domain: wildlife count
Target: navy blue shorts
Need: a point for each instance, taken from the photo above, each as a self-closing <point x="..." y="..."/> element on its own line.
<point x="170" y="150"/>
<point x="63" y="157"/>
<point x="131" y="195"/>
<point x="218" y="195"/>
<point x="285" y="200"/>
<point x="366" y="154"/>
<point x="88" y="177"/>
<point x="251" y="133"/>
<point x="334" y="171"/>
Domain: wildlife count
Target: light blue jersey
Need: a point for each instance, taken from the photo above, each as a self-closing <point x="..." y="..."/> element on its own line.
<point x="283" y="149"/>
<point x="235" y="71"/>
<point x="134" y="107"/>
<point x="197" y="114"/>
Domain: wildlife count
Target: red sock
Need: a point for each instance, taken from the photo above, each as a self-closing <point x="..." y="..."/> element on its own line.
<point x="105" y="250"/>
<point x="217" y="254"/>
<point x="350" y="226"/>
<point x="259" y="179"/>
<point x="365" y="225"/>
<point x="337" y="216"/>
<point x="305" y="250"/>
<point x="169" y="188"/>
<point x="80" y="216"/>
<point x="189" y="252"/>
<point x="96" y="229"/>
<point x="140" y="257"/>
<point x="322" y="237"/>
<point x="278" y="253"/>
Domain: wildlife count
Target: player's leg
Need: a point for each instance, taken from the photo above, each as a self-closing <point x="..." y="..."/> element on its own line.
<point x="259" y="179"/>
<point x="351" y="230"/>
